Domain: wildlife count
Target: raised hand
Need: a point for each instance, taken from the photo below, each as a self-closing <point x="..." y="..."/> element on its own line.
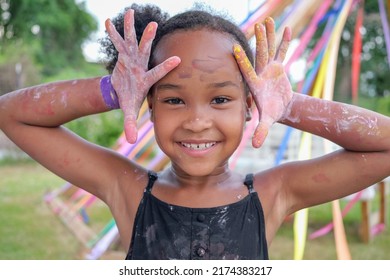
<point x="268" y="82"/>
<point x="131" y="78"/>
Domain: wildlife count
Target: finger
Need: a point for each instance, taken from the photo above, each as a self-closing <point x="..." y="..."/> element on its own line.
<point x="261" y="48"/>
<point x="129" y="32"/>
<point x="156" y="73"/>
<point x="283" y="47"/>
<point x="115" y="37"/>
<point x="245" y="66"/>
<point x="270" y="30"/>
<point x="146" y="41"/>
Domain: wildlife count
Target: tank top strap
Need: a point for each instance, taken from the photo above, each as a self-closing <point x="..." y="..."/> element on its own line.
<point x="152" y="178"/>
<point x="249" y="182"/>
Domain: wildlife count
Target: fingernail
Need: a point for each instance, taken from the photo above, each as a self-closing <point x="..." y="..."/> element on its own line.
<point x="259" y="137"/>
<point x="237" y="50"/>
<point x="173" y="61"/>
<point x="269" y="20"/>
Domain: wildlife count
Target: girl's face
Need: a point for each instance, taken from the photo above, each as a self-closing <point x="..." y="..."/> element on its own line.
<point x="199" y="109"/>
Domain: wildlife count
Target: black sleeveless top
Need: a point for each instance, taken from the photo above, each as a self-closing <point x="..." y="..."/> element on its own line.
<point x="165" y="231"/>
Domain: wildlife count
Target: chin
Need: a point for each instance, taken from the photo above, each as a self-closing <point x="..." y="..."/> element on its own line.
<point x="200" y="170"/>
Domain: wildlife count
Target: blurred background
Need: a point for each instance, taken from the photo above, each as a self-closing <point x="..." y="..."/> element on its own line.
<point x="340" y="50"/>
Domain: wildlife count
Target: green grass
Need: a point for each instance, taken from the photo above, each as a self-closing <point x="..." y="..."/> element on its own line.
<point x="324" y="248"/>
<point x="30" y="230"/>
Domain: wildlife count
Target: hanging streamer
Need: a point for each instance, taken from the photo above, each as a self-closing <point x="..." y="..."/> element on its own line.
<point x="259" y="16"/>
<point x="386" y="28"/>
<point x="301" y="217"/>
<point x="339" y="231"/>
<point x="327" y="228"/>
<point x="309" y="32"/>
<point x="356" y="53"/>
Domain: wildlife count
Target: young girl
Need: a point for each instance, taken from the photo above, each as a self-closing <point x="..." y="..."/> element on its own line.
<point x="200" y="85"/>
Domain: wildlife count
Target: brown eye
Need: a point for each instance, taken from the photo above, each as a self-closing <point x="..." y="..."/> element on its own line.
<point x="173" y="101"/>
<point x="220" y="100"/>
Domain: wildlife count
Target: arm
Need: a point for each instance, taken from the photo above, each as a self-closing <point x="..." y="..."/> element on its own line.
<point x="364" y="135"/>
<point x="364" y="160"/>
<point x="32" y="117"/>
<point x="52" y="104"/>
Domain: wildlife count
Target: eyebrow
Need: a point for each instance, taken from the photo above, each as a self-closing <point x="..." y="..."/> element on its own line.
<point x="169" y="87"/>
<point x="222" y="84"/>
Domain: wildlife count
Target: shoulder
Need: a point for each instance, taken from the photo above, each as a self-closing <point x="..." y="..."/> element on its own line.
<point x="273" y="188"/>
<point x="125" y="195"/>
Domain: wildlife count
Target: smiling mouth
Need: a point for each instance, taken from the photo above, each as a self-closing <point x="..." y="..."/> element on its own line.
<point x="198" y="146"/>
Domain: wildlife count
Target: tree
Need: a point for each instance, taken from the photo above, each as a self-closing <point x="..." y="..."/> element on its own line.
<point x="375" y="70"/>
<point x="54" y="30"/>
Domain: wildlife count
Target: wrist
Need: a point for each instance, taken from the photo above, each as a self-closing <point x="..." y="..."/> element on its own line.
<point x="108" y="93"/>
<point x="288" y="114"/>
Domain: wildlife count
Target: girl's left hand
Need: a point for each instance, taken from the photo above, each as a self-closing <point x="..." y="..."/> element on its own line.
<point x="268" y="82"/>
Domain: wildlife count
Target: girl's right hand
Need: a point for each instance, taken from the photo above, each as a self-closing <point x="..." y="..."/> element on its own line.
<point x="131" y="78"/>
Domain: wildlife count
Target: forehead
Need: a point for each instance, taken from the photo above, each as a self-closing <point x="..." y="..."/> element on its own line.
<point x="203" y="49"/>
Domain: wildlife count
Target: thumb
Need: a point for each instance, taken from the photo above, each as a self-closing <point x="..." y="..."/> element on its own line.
<point x="130" y="128"/>
<point x="260" y="134"/>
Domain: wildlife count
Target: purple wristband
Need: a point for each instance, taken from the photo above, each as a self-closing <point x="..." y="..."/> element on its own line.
<point x="108" y="93"/>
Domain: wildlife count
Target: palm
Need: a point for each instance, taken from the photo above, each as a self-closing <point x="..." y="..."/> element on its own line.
<point x="131" y="78"/>
<point x="268" y="83"/>
<point x="272" y="92"/>
<point x="130" y="82"/>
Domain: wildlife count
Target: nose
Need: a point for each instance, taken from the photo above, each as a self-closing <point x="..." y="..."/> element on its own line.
<point x="198" y="119"/>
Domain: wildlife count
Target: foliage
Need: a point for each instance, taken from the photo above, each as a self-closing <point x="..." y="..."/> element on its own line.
<point x="40" y="42"/>
<point x="53" y="29"/>
<point x="17" y="68"/>
<point x="103" y="129"/>
<point x="375" y="70"/>
<point x="374" y="83"/>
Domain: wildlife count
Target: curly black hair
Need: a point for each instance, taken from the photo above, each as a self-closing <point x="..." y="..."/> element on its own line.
<point x="197" y="18"/>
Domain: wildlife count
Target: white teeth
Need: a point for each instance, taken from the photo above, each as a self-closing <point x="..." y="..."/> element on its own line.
<point x="200" y="146"/>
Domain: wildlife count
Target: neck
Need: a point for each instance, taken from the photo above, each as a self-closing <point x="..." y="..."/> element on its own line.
<point x="180" y="178"/>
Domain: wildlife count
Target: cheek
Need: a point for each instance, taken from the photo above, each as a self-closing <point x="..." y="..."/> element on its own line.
<point x="164" y="125"/>
<point x="234" y="121"/>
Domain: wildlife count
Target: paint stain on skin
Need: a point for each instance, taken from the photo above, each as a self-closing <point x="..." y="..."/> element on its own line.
<point x="208" y="65"/>
<point x="321" y="178"/>
<point x="93" y="102"/>
<point x="237" y="51"/>
<point x="244" y="62"/>
<point x="185" y="73"/>
<point x="362" y="125"/>
<point x="46" y="110"/>
<point x="64" y="99"/>
<point x="65" y="161"/>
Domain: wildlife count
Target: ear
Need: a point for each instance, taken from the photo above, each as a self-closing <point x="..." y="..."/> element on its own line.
<point x="249" y="102"/>
<point x="149" y="99"/>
